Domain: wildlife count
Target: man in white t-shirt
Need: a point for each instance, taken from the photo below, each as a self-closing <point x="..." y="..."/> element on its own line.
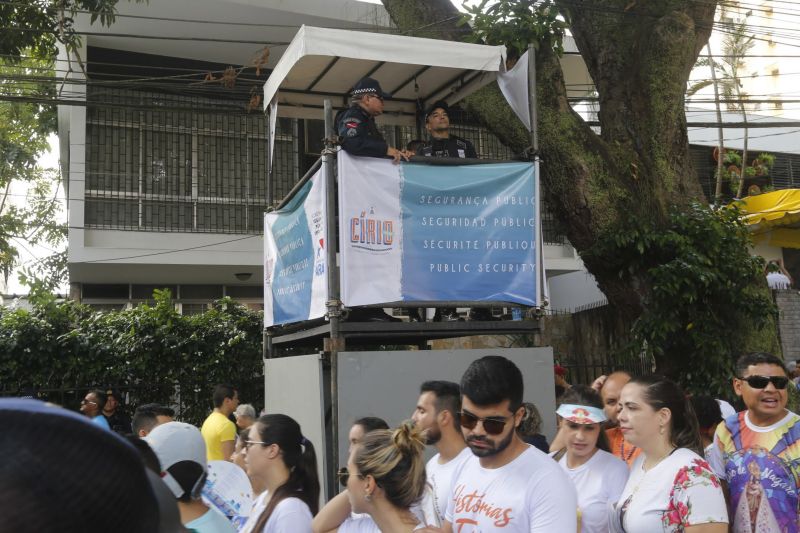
<point x="437" y="415"/>
<point x="506" y="485"/>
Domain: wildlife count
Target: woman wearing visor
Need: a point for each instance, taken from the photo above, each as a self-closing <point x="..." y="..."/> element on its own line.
<point x="599" y="476"/>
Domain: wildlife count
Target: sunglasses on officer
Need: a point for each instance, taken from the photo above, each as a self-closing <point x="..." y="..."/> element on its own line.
<point x="761" y="382"/>
<point x="493" y="425"/>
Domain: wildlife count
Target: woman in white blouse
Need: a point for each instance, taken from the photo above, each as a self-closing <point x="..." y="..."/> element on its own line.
<point x="671" y="488"/>
<point x="385" y="477"/>
<point x="280" y="459"/>
<point x="598" y="476"/>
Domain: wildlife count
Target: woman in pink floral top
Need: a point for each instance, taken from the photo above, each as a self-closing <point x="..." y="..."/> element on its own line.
<point x="671" y="488"/>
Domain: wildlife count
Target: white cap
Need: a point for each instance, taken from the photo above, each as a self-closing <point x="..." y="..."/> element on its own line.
<point x="173" y="443"/>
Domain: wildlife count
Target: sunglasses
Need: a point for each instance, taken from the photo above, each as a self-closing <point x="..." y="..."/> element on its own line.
<point x="249" y="443"/>
<point x="493" y="425"/>
<point x="344" y="475"/>
<point x="85" y="401"/>
<point x="761" y="382"/>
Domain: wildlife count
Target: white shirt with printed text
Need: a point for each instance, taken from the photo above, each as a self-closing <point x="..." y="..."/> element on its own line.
<point x="531" y="494"/>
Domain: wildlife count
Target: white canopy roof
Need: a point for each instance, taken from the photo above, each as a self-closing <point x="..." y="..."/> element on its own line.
<point x="323" y="63"/>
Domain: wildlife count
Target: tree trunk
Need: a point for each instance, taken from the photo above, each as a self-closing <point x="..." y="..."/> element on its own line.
<point x="638" y="167"/>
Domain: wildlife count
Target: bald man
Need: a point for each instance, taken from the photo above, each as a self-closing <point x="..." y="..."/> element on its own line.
<point x="610" y="388"/>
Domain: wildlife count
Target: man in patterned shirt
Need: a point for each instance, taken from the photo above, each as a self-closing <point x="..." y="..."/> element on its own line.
<point x="758" y="450"/>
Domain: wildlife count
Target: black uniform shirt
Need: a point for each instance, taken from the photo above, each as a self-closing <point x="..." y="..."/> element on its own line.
<point x="453" y="146"/>
<point x="359" y="135"/>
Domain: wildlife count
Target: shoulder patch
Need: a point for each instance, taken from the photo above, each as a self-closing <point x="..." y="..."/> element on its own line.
<point x="352" y="131"/>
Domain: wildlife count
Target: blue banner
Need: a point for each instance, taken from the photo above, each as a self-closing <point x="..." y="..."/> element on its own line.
<point x="469" y="233"/>
<point x="295" y="283"/>
<point x="455" y="233"/>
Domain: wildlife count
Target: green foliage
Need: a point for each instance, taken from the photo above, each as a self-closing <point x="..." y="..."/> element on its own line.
<point x="159" y="354"/>
<point x="732" y="163"/>
<point x="703" y="301"/>
<point x="37" y="25"/>
<point x="515" y="24"/>
<point x="24" y="129"/>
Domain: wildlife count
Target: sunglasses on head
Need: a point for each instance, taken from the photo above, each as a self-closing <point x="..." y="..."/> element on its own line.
<point x="761" y="382"/>
<point x="493" y="425"/>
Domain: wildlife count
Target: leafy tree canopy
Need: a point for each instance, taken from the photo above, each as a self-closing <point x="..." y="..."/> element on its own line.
<point x="678" y="273"/>
<point x="36" y="26"/>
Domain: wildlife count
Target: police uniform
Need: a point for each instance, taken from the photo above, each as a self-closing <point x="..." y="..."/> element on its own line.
<point x="359" y="135"/>
<point x="453" y="146"/>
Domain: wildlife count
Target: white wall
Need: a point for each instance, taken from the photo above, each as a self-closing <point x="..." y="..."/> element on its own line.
<point x="574" y="289"/>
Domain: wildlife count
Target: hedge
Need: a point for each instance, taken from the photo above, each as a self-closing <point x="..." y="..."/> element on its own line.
<point x="150" y="351"/>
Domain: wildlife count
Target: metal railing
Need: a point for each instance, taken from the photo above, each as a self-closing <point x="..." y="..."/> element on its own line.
<point x="175" y="163"/>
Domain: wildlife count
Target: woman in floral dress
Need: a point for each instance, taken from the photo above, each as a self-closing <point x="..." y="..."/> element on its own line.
<point x="671" y="488"/>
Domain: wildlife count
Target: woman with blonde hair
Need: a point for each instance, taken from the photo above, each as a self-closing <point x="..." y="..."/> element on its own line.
<point x="385" y="478"/>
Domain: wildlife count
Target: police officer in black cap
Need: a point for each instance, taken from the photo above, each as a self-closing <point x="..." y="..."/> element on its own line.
<point x="441" y="143"/>
<point x="356" y="127"/>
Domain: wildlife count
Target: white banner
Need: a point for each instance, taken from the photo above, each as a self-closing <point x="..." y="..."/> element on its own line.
<point x="369" y="230"/>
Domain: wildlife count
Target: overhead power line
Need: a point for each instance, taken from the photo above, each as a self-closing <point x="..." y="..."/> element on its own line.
<point x="155" y="37"/>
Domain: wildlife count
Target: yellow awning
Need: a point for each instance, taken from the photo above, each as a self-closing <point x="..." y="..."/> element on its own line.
<point x="772" y="209"/>
<point x="773" y="218"/>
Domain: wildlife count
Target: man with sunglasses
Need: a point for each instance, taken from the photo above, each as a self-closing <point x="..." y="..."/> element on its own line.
<point x="92" y="406"/>
<point x="757" y="451"/>
<point x="506" y="485"/>
<point x="358" y="134"/>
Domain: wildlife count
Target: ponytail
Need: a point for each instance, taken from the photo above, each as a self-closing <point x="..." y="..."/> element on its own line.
<point x="660" y="393"/>
<point x="395" y="459"/>
<point x="298" y="456"/>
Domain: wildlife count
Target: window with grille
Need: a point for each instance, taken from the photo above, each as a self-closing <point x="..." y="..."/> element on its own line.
<point x="161" y="162"/>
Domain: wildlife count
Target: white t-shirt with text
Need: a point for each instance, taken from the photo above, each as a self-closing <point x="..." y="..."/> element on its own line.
<point x="440" y="478"/>
<point x="531" y="494"/>
<point x="678" y="492"/>
<point x="291" y="515"/>
<point x="599" y="483"/>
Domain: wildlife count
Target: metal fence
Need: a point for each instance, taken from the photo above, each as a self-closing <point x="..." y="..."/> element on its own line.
<point x="785" y="173"/>
<point x="583" y="372"/>
<point x="176" y="163"/>
<point x="162" y="162"/>
<point x="191" y="405"/>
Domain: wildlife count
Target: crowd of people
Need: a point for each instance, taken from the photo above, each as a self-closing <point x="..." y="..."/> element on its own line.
<point x="680" y="465"/>
<point x="631" y="454"/>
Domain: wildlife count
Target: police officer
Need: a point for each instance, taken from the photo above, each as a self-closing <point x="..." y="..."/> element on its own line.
<point x="358" y="135"/>
<point x="356" y="127"/>
<point x="441" y="143"/>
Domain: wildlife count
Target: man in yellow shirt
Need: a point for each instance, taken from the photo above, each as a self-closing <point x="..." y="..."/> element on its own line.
<point x="218" y="431"/>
